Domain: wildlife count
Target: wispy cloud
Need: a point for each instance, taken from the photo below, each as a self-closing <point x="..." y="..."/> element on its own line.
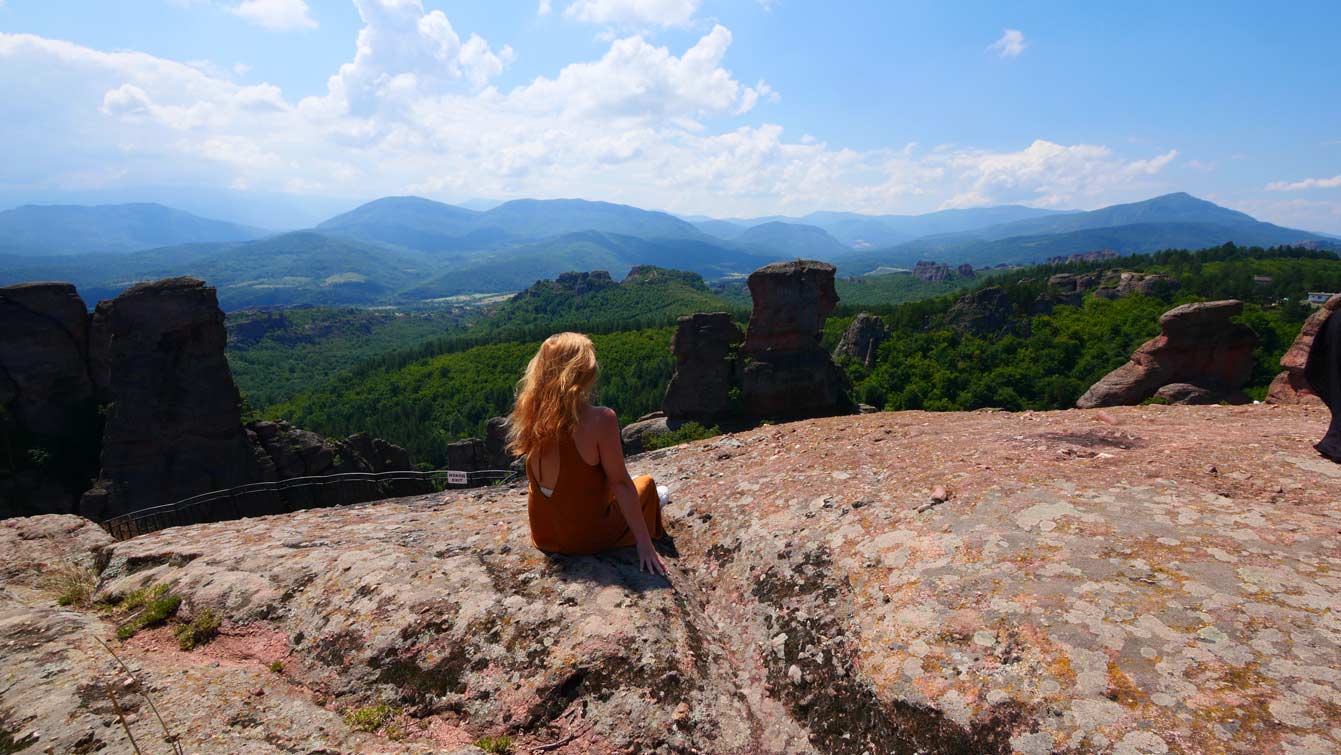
<point x="1308" y="183"/>
<point x="545" y="7"/>
<point x="276" y="15"/>
<point x="1010" y="45"/>
<point x="633" y="13"/>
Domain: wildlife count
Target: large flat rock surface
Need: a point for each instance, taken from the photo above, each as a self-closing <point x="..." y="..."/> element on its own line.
<point x="1132" y="580"/>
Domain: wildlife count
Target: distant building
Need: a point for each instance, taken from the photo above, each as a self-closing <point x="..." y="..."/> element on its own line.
<point x="1263" y="280"/>
<point x="1319" y="298"/>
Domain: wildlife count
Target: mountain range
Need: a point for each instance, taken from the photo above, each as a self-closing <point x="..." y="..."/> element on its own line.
<point x="402" y="250"/>
<point x="67" y="229"/>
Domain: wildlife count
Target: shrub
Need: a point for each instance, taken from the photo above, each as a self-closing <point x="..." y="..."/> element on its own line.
<point x="501" y="745"/>
<point x="277" y="667"/>
<point x="154" y="605"/>
<point x="689" y="431"/>
<point x="370" y="718"/>
<point x="203" y="628"/>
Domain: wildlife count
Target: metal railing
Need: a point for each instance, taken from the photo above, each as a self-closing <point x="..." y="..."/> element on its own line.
<point x="293" y="494"/>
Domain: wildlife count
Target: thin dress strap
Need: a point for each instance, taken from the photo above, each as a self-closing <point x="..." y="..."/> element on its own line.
<point x="539" y="474"/>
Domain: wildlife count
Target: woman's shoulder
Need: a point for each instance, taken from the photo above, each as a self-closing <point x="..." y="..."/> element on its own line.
<point x="599" y="416"/>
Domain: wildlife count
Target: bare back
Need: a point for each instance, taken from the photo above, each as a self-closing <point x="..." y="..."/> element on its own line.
<point x="545" y="465"/>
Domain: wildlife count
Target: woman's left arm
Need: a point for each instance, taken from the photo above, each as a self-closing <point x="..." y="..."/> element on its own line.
<point x="626" y="495"/>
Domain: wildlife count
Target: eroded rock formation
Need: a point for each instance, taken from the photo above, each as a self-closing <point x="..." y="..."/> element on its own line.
<point x="47" y="407"/>
<point x="139" y="396"/>
<point x="786" y="374"/>
<point x="1290" y="386"/>
<point x="932" y="272"/>
<point x="1198" y="344"/>
<point x="1129" y="284"/>
<point x="983" y="312"/>
<point x="1098" y="592"/>
<point x="702" y="346"/>
<point x="487" y="453"/>
<point x="173" y="418"/>
<point x="1100" y="255"/>
<point x="861" y="341"/>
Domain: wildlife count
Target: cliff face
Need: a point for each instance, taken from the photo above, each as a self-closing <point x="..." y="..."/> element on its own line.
<point x="1135" y="580"/>
<point x="174" y="422"/>
<point x="139" y="396"/>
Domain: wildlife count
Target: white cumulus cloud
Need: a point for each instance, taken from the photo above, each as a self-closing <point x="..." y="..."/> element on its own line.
<point x="1308" y="183"/>
<point x="276" y="15"/>
<point x="1010" y="44"/>
<point x="417" y="110"/>
<point x="633" y="13"/>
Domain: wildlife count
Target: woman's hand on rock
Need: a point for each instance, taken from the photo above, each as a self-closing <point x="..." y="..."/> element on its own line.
<point x="649" y="559"/>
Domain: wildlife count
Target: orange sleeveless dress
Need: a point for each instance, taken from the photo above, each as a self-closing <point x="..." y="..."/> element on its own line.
<point x="582" y="515"/>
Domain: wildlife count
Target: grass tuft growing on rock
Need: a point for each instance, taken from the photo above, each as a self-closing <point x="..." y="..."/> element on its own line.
<point x="370" y="718"/>
<point x="73" y="584"/>
<point x="203" y="628"/>
<point x="147" y="607"/>
<point x="277" y="667"/>
<point x="501" y="745"/>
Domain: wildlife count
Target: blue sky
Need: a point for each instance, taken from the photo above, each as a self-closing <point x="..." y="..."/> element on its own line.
<point x="736" y="107"/>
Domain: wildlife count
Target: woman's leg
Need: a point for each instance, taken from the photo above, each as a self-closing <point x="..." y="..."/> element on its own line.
<point x="650" y="502"/>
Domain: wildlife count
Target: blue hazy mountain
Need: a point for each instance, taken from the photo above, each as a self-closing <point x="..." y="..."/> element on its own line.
<point x="867" y="231"/>
<point x="301" y="267"/>
<point x="1166" y="222"/>
<point x="426" y="225"/>
<point x="41" y="230"/>
<point x="518" y="267"/>
<point x="407" y="249"/>
<point x="791" y="240"/>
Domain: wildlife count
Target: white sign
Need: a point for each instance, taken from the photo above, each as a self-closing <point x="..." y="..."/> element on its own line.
<point x="456" y="478"/>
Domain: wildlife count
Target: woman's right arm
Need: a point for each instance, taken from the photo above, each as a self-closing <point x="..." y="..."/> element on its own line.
<point x="626" y="495"/>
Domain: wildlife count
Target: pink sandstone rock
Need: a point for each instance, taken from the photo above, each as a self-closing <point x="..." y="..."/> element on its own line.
<point x="1290" y="386"/>
<point x="1088" y="588"/>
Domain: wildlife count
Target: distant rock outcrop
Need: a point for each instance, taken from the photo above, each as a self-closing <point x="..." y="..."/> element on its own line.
<point x="862" y="339"/>
<point x="1290" y="386"/>
<point x="1199" y="345"/>
<point x="575" y="283"/>
<point x="932" y="272"/>
<point x="702" y="345"/>
<point x="1100" y="255"/>
<point x="1130" y="284"/>
<point x="936" y="272"/>
<point x="786" y="373"/>
<point x="478" y="454"/>
<point x="982" y="312"/>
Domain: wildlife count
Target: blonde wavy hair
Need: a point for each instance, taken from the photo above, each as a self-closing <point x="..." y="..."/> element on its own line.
<point x="556" y="387"/>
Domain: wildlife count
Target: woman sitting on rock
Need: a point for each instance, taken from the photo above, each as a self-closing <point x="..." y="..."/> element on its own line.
<point x="582" y="499"/>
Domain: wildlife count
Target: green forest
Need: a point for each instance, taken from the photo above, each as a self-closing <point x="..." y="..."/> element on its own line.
<point x="428" y="396"/>
<point x="277" y="354"/>
<point x="428" y="403"/>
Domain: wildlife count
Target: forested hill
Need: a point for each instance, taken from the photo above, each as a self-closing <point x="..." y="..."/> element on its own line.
<point x="1046" y="357"/>
<point x="1038" y="359"/>
<point x="277" y="354"/>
